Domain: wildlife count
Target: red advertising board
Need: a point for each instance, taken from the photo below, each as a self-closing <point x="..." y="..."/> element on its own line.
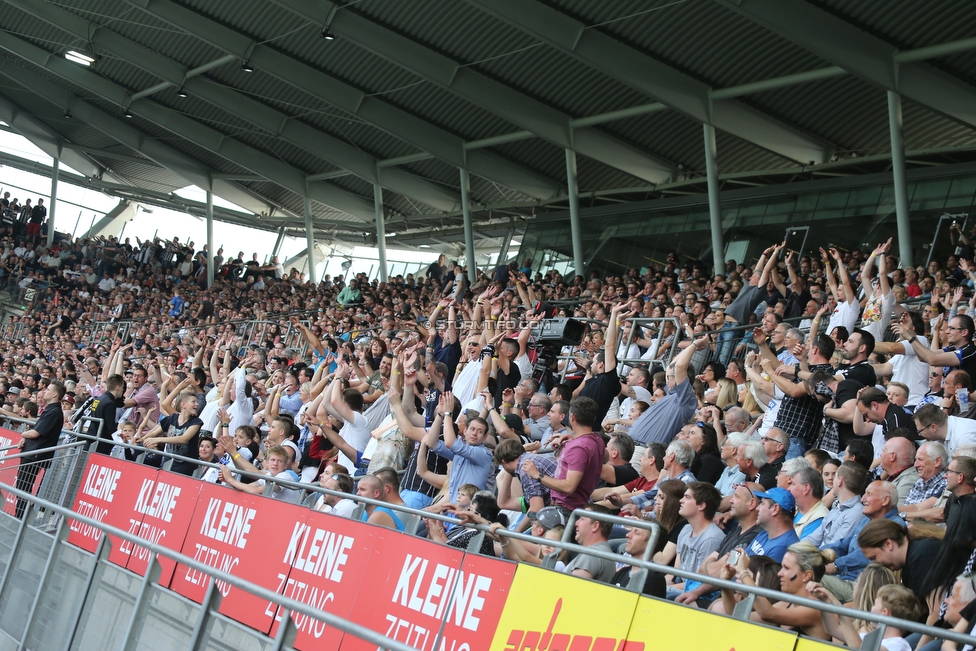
<point x="411" y="585"/>
<point x="109" y="491"/>
<point x="241" y="534"/>
<point x="8" y="467"/>
<point x="164" y="506"/>
<point x="328" y="556"/>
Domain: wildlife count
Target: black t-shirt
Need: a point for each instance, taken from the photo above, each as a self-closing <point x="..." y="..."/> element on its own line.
<point x="968" y="364"/>
<point x="207" y="309"/>
<point x="796" y="303"/>
<point x="508" y="380"/>
<point x="862" y="372"/>
<point x="896" y="417"/>
<point x="105" y="408"/>
<point x="846" y="390"/>
<point x="49" y="427"/>
<point x="654" y="583"/>
<point x="602" y="388"/>
<point x="767" y="474"/>
<point x="710" y="468"/>
<point x="623" y="474"/>
<point x="918" y="563"/>
<point x="736" y="537"/>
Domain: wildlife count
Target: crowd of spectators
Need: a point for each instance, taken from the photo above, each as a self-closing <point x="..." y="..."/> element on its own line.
<point x="804" y="423"/>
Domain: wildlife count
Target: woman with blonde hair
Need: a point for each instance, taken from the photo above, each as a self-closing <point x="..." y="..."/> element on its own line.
<point x="727" y="393"/>
<point x="802" y="564"/>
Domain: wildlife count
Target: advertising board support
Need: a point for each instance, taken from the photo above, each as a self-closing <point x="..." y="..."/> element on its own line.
<point x="60" y="536"/>
<point x="209" y="605"/>
<point x="91" y="580"/>
<point x="138" y="616"/>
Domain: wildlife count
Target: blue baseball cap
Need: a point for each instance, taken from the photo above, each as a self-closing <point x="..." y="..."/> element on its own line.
<point x="781" y="496"/>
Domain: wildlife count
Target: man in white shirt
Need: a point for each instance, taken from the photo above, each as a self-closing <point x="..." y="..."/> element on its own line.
<point x="341" y="506"/>
<point x="935" y="425"/>
<point x="276" y="461"/>
<point x="348" y="405"/>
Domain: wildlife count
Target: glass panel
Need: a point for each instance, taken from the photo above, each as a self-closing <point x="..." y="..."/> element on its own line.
<point x="961" y="193"/>
<point x="646" y="236"/>
<point x="930" y="195"/>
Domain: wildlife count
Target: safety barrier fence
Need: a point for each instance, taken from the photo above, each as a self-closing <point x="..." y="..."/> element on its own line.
<point x="194" y="565"/>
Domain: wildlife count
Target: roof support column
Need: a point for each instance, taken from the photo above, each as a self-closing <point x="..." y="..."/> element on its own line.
<point x="898" y="171"/>
<point x="471" y="260"/>
<point x="380" y="229"/>
<point x="210" y="240"/>
<point x="55" y="169"/>
<point x="574" y="213"/>
<point x="278" y="242"/>
<point x="310" y="241"/>
<point x="714" y="204"/>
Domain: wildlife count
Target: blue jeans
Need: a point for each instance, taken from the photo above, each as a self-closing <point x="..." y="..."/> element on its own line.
<point x="798" y="447"/>
<point x="416" y="500"/>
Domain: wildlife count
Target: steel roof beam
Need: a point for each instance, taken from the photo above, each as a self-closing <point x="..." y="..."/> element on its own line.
<point x="653" y="78"/>
<point x="52" y="144"/>
<point x="125" y="134"/>
<point x="241" y="105"/>
<point x="481" y="90"/>
<point x="335" y="92"/>
<point x="864" y="55"/>
<point x="236" y="152"/>
<point x="194" y="172"/>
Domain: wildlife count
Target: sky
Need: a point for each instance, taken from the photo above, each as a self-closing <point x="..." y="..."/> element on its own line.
<point x="79" y="207"/>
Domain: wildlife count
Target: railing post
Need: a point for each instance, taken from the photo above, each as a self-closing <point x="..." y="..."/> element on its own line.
<point x="286" y="632"/>
<point x="60" y="535"/>
<point x="101" y="555"/>
<point x="142" y="604"/>
<point x="210" y="603"/>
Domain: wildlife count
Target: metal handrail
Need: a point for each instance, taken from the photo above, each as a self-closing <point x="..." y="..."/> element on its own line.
<point x="758" y="591"/>
<point x="328" y="618"/>
<point x="572" y="547"/>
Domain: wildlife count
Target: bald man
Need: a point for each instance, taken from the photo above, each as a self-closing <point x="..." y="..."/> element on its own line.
<point x="898" y="463"/>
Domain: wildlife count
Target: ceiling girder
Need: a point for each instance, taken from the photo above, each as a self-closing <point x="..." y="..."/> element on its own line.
<point x="241" y="105"/>
<point x="654" y="78"/>
<point x="236" y="152"/>
<point x="864" y="55"/>
<point x="373" y="110"/>
<point x="125" y="134"/>
<point x="502" y="100"/>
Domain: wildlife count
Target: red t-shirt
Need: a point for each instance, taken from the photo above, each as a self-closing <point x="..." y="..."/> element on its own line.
<point x="640" y="485"/>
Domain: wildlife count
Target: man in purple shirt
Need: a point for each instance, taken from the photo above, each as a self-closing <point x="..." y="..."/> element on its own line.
<point x="580" y="462"/>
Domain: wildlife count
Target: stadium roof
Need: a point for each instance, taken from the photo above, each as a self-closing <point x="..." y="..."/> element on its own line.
<point x="271" y="100"/>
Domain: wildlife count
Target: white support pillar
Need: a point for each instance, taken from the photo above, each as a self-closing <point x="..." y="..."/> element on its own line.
<point x="210" y="240"/>
<point x="278" y="241"/>
<point x="55" y="170"/>
<point x="714" y="205"/>
<point x="470" y="259"/>
<point x="574" y="214"/>
<point x="380" y="229"/>
<point x="902" y="217"/>
<point x="310" y="241"/>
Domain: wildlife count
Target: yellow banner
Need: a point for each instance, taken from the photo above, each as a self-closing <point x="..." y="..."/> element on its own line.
<point x="670" y="626"/>
<point x="551" y="611"/>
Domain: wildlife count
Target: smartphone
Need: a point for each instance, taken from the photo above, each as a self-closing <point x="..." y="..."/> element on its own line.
<point x="733" y="557"/>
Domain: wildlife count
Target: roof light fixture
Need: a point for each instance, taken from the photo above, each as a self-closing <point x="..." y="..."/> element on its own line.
<point x="327" y="27"/>
<point x="181" y="93"/>
<point x="81" y="57"/>
<point x="246" y="66"/>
